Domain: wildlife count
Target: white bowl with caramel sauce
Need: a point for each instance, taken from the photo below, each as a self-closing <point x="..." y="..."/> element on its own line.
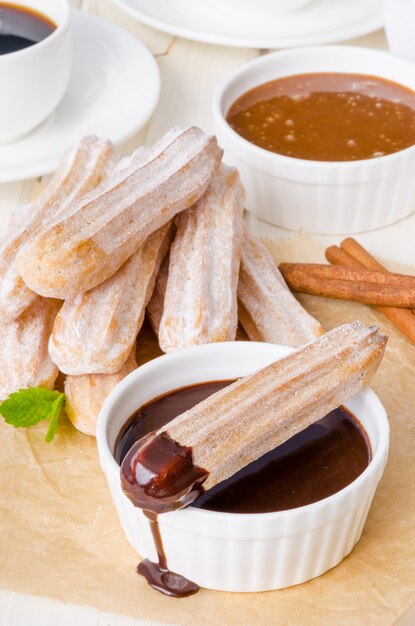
<point x="250" y="551"/>
<point x="364" y="179"/>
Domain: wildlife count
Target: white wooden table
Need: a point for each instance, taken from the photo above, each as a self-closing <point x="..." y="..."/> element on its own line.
<point x="190" y="72"/>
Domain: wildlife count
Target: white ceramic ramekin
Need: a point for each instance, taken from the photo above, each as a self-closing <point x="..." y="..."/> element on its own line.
<point x="318" y="196"/>
<point x="238" y="552"/>
<point x="34" y="79"/>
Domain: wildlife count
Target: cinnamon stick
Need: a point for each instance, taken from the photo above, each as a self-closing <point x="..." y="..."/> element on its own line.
<point x="358" y="252"/>
<point x="338" y="256"/>
<point x="352" y="254"/>
<point x="351" y="283"/>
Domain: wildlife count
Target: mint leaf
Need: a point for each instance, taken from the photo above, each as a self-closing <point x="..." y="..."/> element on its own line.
<point x="27" y="407"/>
<point x="56" y="410"/>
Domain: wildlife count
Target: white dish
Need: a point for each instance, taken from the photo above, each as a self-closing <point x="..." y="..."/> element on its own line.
<point x="318" y="196"/>
<point x="237" y="552"/>
<point x="113" y="90"/>
<point x="251" y="8"/>
<point x="322" y="21"/>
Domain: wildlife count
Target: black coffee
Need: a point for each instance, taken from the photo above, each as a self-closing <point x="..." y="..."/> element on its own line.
<point x="21" y="27"/>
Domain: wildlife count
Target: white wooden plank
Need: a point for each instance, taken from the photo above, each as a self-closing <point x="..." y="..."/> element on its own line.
<point x="190" y="73"/>
<point x="156" y="41"/>
<point x="27" y="610"/>
<point x="15" y="609"/>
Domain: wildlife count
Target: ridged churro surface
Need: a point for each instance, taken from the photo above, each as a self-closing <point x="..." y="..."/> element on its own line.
<point x="200" y="304"/>
<point x="91" y="242"/>
<point x="156" y="303"/>
<point x="85" y="395"/>
<point x="80" y="169"/>
<point x="24" y="356"/>
<point x="242" y="422"/>
<point x="267" y="309"/>
<point x="95" y="331"/>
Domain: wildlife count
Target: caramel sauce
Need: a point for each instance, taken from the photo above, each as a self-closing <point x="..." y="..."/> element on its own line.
<point x="327" y="116"/>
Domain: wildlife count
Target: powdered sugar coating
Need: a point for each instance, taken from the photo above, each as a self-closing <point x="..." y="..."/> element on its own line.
<point x="95" y="331"/>
<point x="200" y="304"/>
<point x="93" y="240"/>
<point x="267" y="309"/>
<point x="85" y="395"/>
<point x="244" y="421"/>
<point x="156" y="305"/>
<point x="80" y="168"/>
<point x="24" y="356"/>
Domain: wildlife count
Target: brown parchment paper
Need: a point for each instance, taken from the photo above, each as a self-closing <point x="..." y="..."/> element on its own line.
<point x="60" y="537"/>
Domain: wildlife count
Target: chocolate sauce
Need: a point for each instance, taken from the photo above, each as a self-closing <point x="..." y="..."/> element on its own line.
<point x="154" y="415"/>
<point x="314" y="464"/>
<point x="158" y="574"/>
<point x="158" y="474"/>
<point x="21" y="27"/>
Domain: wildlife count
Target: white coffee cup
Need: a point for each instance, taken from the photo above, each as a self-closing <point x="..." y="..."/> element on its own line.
<point x="34" y="79"/>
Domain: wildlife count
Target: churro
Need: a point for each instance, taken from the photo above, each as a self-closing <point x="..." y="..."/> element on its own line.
<point x="80" y="169"/>
<point x="267" y="309"/>
<point x="90" y="243"/>
<point x="169" y="468"/>
<point x="86" y="394"/>
<point x="200" y="304"/>
<point x="95" y="331"/>
<point x="156" y="304"/>
<point x="24" y="356"/>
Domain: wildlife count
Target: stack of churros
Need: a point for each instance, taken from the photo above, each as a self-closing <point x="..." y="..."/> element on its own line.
<point x="109" y="239"/>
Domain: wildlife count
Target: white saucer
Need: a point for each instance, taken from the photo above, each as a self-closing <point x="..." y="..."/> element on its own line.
<point x="322" y="21"/>
<point x="113" y="90"/>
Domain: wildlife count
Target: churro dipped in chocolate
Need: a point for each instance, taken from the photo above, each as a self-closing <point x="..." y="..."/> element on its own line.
<point x="200" y="303"/>
<point x="169" y="468"/>
<point x="95" y="331"/>
<point x="267" y="309"/>
<point x="80" y="169"/>
<point x="24" y="356"/>
<point x="85" y="247"/>
<point x="85" y="395"/>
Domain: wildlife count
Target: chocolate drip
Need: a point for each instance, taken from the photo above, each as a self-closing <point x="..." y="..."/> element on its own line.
<point x="158" y="474"/>
<point x="158" y="574"/>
